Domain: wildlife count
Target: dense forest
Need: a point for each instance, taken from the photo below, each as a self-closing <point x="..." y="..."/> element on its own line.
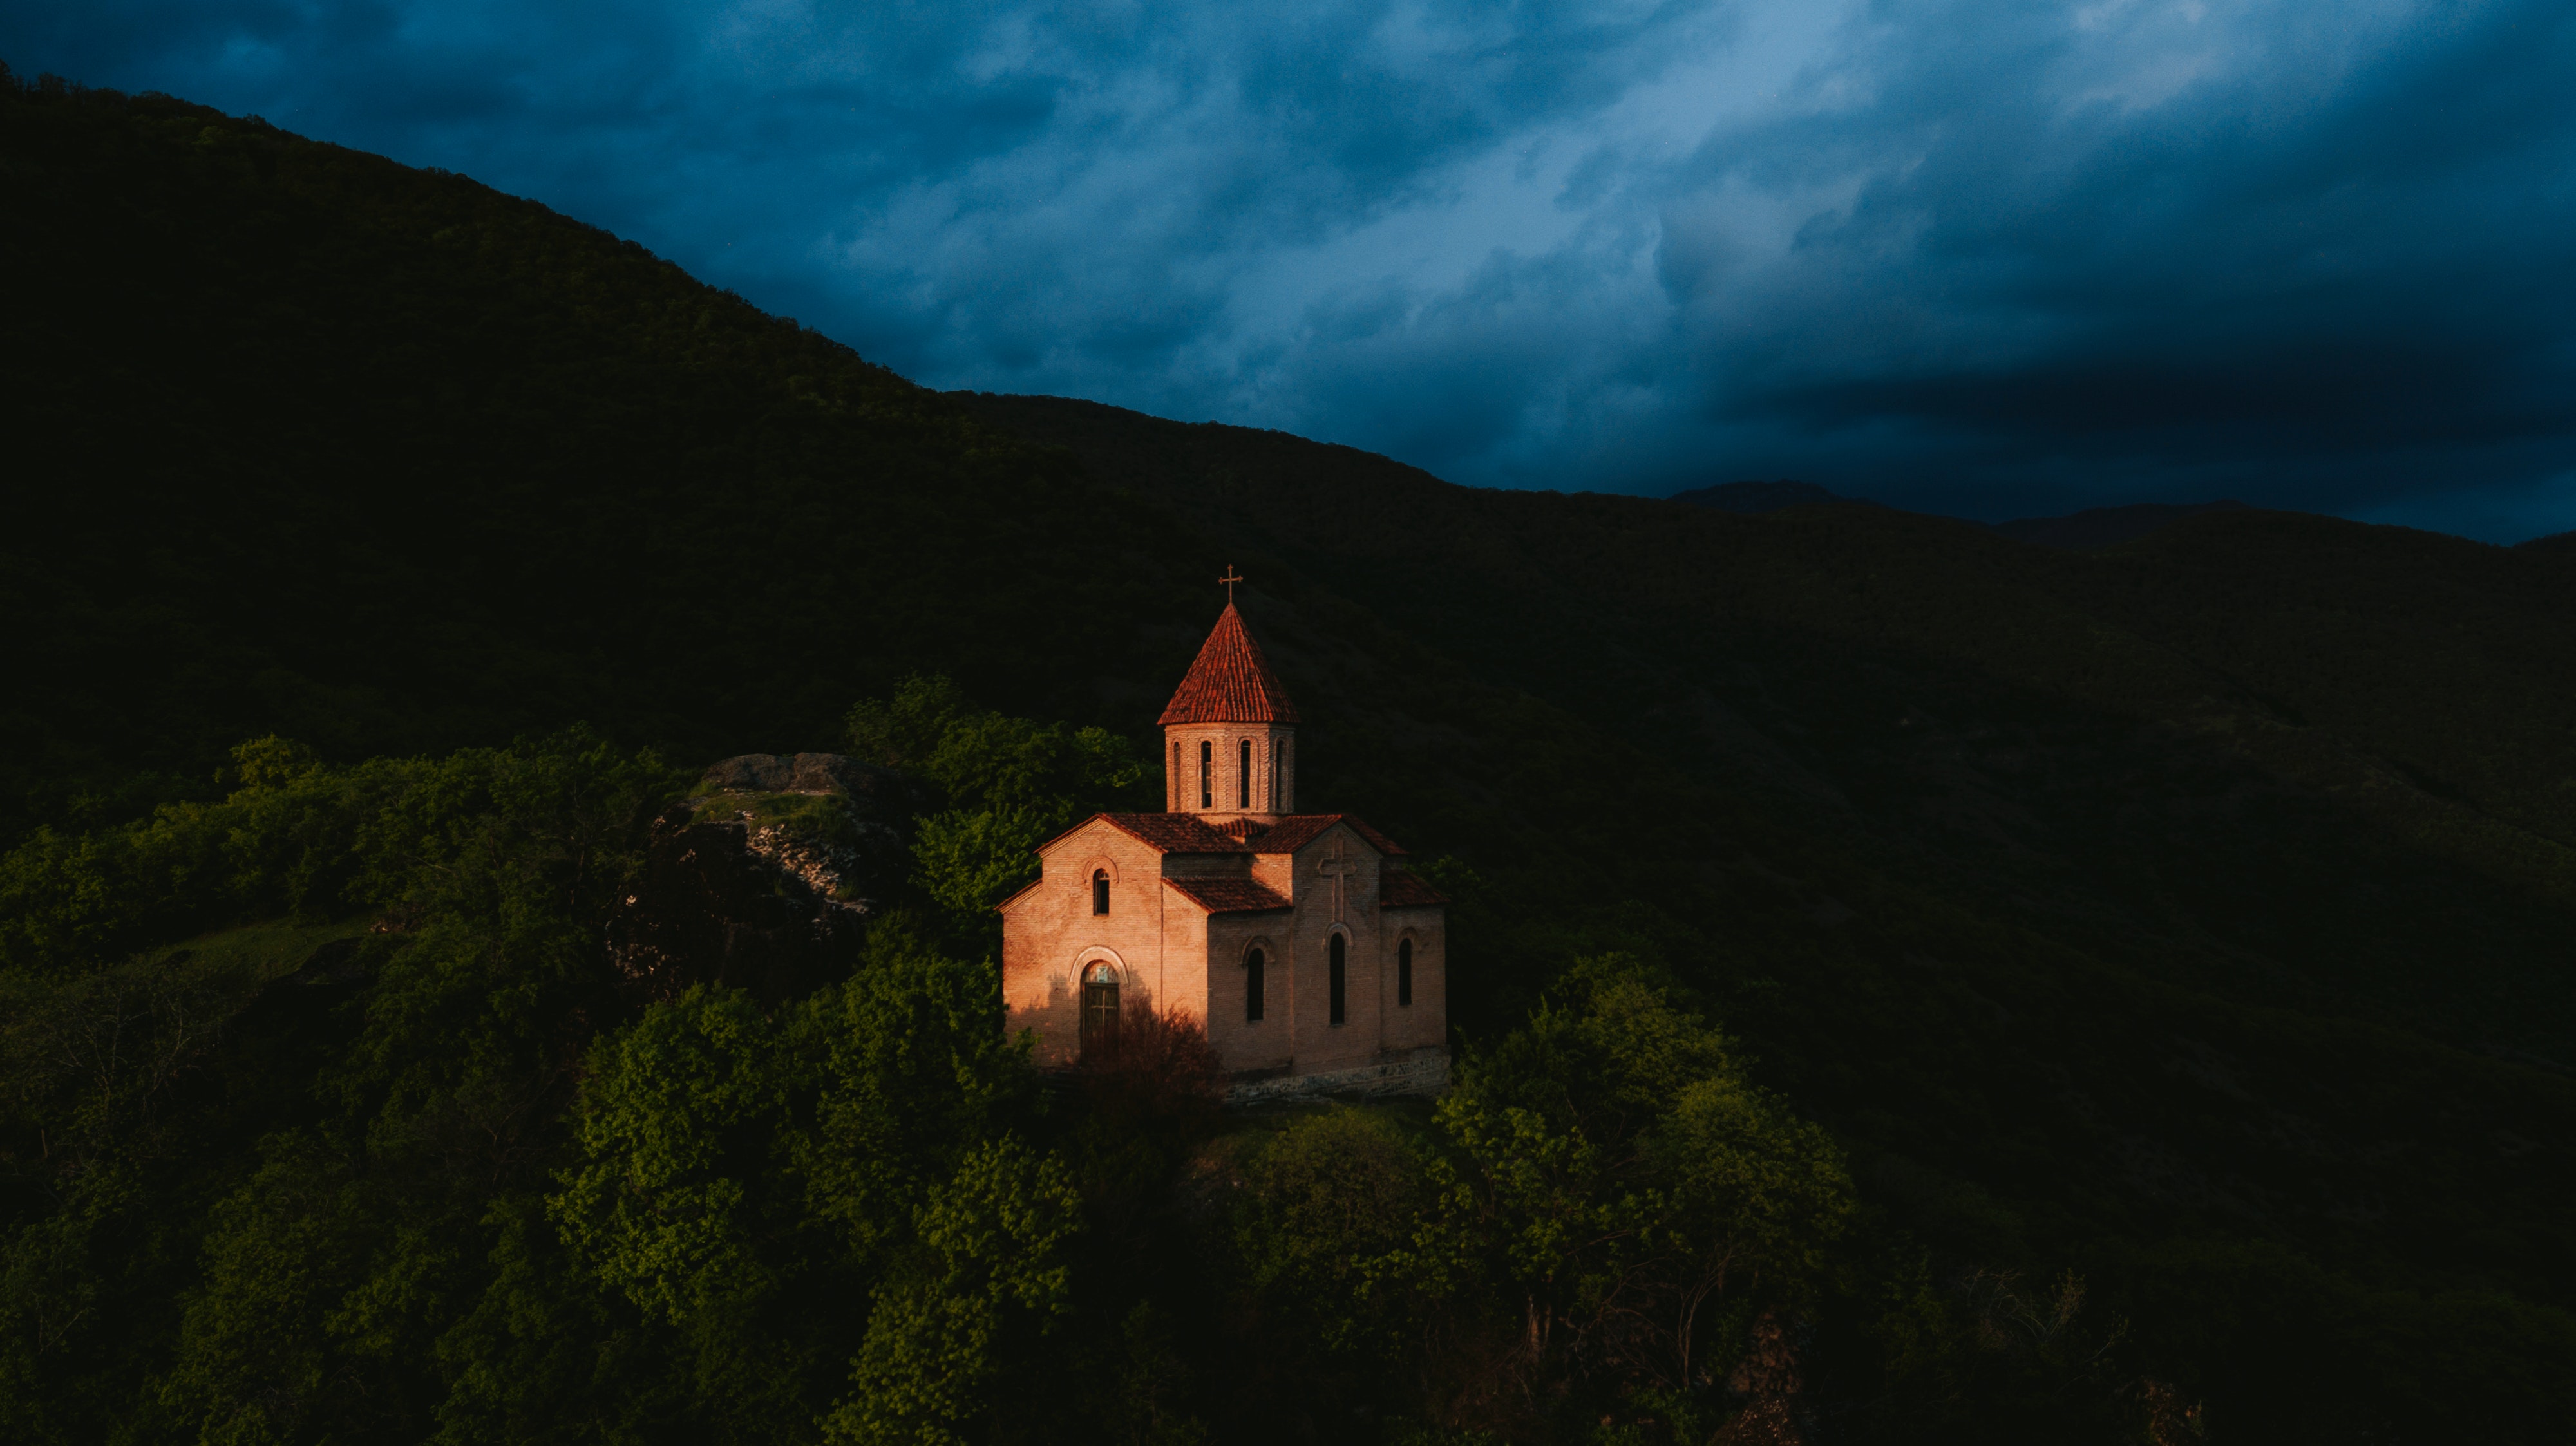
<point x="1910" y="985"/>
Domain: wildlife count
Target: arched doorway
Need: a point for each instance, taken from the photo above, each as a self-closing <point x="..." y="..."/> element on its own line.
<point x="1099" y="1009"/>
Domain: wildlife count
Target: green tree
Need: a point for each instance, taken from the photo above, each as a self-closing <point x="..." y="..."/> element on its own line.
<point x="1328" y="1228"/>
<point x="285" y="840"/>
<point x="332" y="1273"/>
<point x="674" y="1136"/>
<point x="744" y="1180"/>
<point x="1631" y="1200"/>
<point x="987" y="1249"/>
<point x="1006" y="785"/>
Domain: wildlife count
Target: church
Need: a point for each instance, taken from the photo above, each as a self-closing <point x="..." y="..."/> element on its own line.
<point x="1314" y="959"/>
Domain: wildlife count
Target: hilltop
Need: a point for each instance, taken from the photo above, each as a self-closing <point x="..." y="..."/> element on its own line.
<point x="2107" y="526"/>
<point x="2203" y="737"/>
<point x="2190" y="913"/>
<point x="1757" y="497"/>
<point x="2092" y="528"/>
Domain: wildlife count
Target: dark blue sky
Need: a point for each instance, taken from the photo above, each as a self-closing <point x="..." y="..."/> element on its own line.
<point x="1988" y="258"/>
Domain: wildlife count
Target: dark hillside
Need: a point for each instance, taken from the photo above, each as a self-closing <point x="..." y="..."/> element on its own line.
<point x="1756" y="497"/>
<point x="2096" y="527"/>
<point x="2087" y="730"/>
<point x="2170" y="896"/>
<point x="2191" y="914"/>
<point x="379" y="458"/>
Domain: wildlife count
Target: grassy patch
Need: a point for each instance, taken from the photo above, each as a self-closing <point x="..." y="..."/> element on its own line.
<point x="823" y="816"/>
<point x="261" y="952"/>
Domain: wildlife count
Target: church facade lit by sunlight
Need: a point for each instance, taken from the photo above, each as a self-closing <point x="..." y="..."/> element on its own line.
<point x="1315" y="959"/>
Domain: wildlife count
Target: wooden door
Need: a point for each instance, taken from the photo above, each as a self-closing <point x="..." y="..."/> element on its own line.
<point x="1099" y="1012"/>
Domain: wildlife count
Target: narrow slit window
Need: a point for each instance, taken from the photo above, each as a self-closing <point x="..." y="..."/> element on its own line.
<point x="1245" y="792"/>
<point x="1100" y="891"/>
<point x="1207" y="773"/>
<point x="1275" y="755"/>
<point x="1404" y="972"/>
<point x="1333" y="987"/>
<point x="1252" y="968"/>
<point x="1177" y="777"/>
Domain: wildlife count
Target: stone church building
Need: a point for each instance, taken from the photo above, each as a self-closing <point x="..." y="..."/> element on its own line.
<point x="1314" y="959"/>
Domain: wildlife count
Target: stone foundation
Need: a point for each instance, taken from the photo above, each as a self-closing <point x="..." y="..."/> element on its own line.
<point x="1413" y="1072"/>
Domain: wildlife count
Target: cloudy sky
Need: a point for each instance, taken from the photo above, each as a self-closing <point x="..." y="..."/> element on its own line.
<point x="1992" y="258"/>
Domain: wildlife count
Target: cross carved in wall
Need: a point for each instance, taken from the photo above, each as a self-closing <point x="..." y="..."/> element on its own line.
<point x="1337" y="868"/>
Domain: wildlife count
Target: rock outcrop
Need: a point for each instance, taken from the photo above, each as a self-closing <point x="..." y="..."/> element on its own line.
<point x="766" y="877"/>
<point x="798" y="773"/>
<point x="850" y="850"/>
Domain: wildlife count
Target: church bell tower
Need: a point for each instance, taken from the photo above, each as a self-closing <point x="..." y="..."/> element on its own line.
<point x="1230" y="734"/>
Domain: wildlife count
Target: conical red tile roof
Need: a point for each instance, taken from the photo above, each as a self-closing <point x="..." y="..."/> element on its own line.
<point x="1231" y="682"/>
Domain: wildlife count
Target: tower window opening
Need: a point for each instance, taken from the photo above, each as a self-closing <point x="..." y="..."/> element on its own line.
<point x="1333" y="988"/>
<point x="1175" y="789"/>
<point x="1404" y="972"/>
<point x="1100" y="891"/>
<point x="1207" y="773"/>
<point x="1252" y="970"/>
<point x="1287" y="778"/>
<point x="1245" y="791"/>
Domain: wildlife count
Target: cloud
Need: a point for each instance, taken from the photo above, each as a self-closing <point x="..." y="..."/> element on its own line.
<point x="2314" y="261"/>
<point x="1990" y="258"/>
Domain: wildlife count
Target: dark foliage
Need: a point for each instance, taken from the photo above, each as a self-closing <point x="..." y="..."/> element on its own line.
<point x="396" y="463"/>
<point x="2096" y="527"/>
<point x="2190" y="914"/>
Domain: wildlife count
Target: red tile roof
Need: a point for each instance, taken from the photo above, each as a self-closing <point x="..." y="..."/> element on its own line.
<point x="1174" y="833"/>
<point x="1231" y="682"/>
<point x="1403" y="891"/>
<point x="1183" y="833"/>
<point x="1377" y="840"/>
<point x="1300" y="829"/>
<point x="1229" y="896"/>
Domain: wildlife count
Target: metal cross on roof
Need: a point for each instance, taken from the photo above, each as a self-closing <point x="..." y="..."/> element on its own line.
<point x="1229" y="580"/>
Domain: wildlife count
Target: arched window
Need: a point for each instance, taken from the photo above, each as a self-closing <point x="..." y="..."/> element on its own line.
<point x="1252" y="968"/>
<point x="1099" y="1010"/>
<point x="1333" y="987"/>
<point x="1100" y="891"/>
<point x="1245" y="793"/>
<point x="1207" y="773"/>
<point x="1404" y="972"/>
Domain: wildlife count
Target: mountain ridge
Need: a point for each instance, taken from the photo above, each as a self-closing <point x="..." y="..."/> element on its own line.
<point x="2190" y="914"/>
<point x="1757" y="497"/>
<point x="2091" y="528"/>
<point x="2107" y="526"/>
